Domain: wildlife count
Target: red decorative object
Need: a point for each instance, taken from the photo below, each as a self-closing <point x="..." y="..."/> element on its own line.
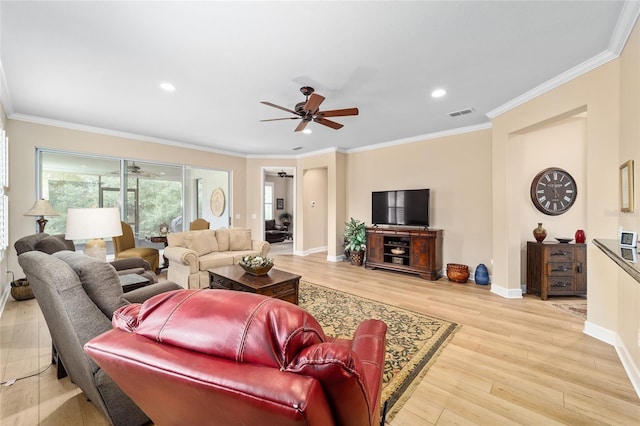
<point x="580" y="237"/>
<point x="539" y="233"/>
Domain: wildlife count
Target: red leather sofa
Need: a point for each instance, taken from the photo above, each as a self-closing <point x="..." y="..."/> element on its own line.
<point x="221" y="357"/>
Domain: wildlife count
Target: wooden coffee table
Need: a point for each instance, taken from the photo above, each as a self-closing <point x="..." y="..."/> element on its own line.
<point x="278" y="284"/>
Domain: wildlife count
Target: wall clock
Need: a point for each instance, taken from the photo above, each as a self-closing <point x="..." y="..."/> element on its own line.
<point x="553" y="191"/>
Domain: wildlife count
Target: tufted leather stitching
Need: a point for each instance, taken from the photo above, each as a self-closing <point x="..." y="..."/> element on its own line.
<point x="173" y="311"/>
<point x="245" y="330"/>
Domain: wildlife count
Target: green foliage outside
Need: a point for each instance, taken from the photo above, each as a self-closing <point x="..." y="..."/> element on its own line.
<point x="158" y="201"/>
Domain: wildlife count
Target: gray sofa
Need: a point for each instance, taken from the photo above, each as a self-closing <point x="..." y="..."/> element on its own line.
<point x="77" y="295"/>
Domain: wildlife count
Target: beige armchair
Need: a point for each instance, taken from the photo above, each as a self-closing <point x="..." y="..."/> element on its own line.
<point x="198" y="224"/>
<point x="124" y="247"/>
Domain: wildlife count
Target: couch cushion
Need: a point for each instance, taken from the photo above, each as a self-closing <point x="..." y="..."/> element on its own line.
<point x="249" y="327"/>
<point x="239" y="239"/>
<point x="198" y="242"/>
<point x="99" y="280"/>
<point x="54" y="243"/>
<point x="222" y="236"/>
<point x="215" y="259"/>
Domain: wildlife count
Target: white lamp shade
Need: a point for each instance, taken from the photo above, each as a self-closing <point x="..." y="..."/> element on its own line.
<point x="84" y="224"/>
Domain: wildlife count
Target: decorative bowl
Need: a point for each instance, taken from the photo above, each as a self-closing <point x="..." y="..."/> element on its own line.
<point x="258" y="271"/>
<point x="457" y="273"/>
<point x="256" y="265"/>
<point x="564" y="240"/>
<point x="397" y="251"/>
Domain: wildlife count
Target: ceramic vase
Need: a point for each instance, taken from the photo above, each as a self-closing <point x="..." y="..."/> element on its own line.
<point x="481" y="275"/>
<point x="539" y="233"/>
<point x="580" y="237"/>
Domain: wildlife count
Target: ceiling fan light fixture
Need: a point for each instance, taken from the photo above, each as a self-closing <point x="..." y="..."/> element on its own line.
<point x="306" y="131"/>
<point x="438" y="93"/>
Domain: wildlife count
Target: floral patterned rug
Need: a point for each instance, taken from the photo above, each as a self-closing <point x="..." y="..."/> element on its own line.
<point x="413" y="340"/>
<point x="577" y="309"/>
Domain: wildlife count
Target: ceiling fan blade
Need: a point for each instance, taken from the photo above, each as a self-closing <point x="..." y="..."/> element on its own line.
<point x="279" y="107"/>
<point x="286" y="118"/>
<point x="301" y="126"/>
<point x="313" y="103"/>
<point x="339" y="112"/>
<point x="328" y="123"/>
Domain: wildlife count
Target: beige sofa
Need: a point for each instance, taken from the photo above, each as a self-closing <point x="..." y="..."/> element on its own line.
<point x="192" y="253"/>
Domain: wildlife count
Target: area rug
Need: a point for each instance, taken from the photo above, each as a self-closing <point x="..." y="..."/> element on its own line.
<point x="575" y="308"/>
<point x="413" y="340"/>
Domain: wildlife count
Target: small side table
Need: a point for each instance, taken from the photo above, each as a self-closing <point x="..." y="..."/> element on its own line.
<point x="161" y="239"/>
<point x="132" y="281"/>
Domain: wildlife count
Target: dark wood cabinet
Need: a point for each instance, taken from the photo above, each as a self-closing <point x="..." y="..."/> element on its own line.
<point x="417" y="251"/>
<point x="555" y="269"/>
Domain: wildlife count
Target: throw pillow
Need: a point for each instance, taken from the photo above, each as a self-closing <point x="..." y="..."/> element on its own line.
<point x="222" y="237"/>
<point x="240" y="239"/>
<point x="50" y="245"/>
<point x="198" y="242"/>
<point x="99" y="280"/>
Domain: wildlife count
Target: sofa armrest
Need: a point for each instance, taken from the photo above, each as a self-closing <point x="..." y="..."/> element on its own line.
<point x="184" y="256"/>
<point x="130" y="263"/>
<point x="262" y="246"/>
<point x="141" y="294"/>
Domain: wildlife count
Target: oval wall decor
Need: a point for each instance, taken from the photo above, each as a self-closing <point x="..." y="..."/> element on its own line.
<point x="217" y="202"/>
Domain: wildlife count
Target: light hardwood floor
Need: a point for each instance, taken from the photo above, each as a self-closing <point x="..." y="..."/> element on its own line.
<point x="513" y="361"/>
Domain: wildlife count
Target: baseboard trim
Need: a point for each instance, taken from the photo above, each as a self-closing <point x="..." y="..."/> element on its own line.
<point x="310" y="251"/>
<point x="340" y="258"/>
<point x="597" y="332"/>
<point x="508" y="293"/>
<point x="3" y="298"/>
<point x="628" y="364"/>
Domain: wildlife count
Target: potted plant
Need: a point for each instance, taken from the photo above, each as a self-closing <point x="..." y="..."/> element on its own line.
<point x="355" y="237"/>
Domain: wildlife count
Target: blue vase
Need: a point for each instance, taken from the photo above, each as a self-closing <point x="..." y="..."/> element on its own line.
<point x="482" y="275"/>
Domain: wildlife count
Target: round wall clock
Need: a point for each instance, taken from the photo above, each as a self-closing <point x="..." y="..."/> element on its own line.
<point x="217" y="202"/>
<point x="553" y="191"/>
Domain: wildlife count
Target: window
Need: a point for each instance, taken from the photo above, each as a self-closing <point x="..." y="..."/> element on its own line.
<point x="268" y="200"/>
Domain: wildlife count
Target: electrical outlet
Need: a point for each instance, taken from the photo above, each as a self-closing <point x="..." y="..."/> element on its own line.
<point x="254" y="216"/>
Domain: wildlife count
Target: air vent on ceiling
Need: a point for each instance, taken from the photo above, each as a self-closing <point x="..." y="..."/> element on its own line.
<point x="461" y="112"/>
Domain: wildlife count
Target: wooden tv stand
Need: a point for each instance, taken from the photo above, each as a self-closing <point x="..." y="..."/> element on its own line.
<point x="417" y="251"/>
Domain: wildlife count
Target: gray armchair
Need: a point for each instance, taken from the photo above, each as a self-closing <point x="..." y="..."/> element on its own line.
<point x="77" y="295"/>
<point x="54" y="243"/>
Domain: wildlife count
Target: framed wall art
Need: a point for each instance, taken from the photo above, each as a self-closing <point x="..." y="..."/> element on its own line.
<point x="626" y="187"/>
<point x="279" y="203"/>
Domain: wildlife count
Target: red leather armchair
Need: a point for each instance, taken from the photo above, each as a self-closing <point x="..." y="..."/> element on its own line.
<point x="231" y="358"/>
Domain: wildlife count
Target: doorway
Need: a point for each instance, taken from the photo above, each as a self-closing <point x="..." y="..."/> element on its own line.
<point x="278" y="212"/>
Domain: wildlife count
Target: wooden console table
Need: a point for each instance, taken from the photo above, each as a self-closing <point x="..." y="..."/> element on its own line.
<point x="417" y="251"/>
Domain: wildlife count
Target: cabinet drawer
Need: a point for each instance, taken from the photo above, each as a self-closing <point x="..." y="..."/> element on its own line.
<point x="558" y="285"/>
<point x="560" y="254"/>
<point x="279" y="291"/>
<point x="219" y="282"/>
<point x="560" y="268"/>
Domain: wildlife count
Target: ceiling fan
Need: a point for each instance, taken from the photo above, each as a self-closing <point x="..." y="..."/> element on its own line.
<point x="134" y="169"/>
<point x="284" y="174"/>
<point x="309" y="110"/>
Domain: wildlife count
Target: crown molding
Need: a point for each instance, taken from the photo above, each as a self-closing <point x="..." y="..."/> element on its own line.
<point x="626" y="21"/>
<point x="5" y="98"/>
<point x="125" y="135"/>
<point x="419" y="138"/>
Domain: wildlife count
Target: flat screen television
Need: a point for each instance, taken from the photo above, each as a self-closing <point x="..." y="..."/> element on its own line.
<point x="406" y="207"/>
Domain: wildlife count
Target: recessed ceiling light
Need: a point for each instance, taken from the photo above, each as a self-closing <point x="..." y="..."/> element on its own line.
<point x="168" y="87"/>
<point x="438" y="93"/>
<point x="306" y="131"/>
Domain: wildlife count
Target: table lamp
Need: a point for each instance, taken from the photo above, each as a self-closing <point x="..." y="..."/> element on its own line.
<point x="93" y="224"/>
<point x="42" y="208"/>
